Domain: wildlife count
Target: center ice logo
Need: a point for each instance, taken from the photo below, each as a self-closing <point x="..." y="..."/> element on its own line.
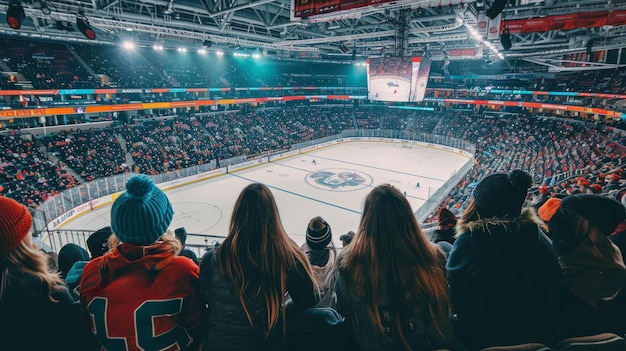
<point x="344" y="180"/>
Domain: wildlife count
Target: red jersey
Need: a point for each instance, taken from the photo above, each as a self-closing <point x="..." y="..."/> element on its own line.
<point x="143" y="298"/>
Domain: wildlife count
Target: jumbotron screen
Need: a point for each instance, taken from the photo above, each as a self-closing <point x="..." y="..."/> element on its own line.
<point x="400" y="79"/>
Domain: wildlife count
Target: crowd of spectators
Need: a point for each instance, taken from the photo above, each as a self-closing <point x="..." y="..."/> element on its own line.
<point x="49" y="65"/>
<point x="168" y="145"/>
<point x="90" y="153"/>
<point x="121" y="68"/>
<point x="27" y="175"/>
<point x="56" y="66"/>
<point x="513" y="279"/>
<point x="46" y="65"/>
<point x="544" y="146"/>
<point x="607" y="81"/>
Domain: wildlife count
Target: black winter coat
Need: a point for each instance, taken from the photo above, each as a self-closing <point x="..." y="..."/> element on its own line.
<point x="504" y="283"/>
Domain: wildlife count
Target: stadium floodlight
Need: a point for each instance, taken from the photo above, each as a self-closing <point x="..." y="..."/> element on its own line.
<point x="15" y="15"/>
<point x="83" y="26"/>
<point x="220" y="53"/>
<point x="128" y="45"/>
<point x="202" y="51"/>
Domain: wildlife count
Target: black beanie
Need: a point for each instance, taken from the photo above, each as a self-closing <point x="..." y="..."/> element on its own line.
<point x="502" y="194"/>
<point x="97" y="243"/>
<point x="181" y="234"/>
<point x="603" y="212"/>
<point x="318" y="239"/>
<point x="70" y="254"/>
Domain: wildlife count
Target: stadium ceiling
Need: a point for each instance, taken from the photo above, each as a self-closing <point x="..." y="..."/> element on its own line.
<point x="432" y="28"/>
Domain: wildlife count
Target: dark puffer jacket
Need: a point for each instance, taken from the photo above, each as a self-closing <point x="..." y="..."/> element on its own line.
<point x="504" y="283"/>
<point x="227" y="325"/>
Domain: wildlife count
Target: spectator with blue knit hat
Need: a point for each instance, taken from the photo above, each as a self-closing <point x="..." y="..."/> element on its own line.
<point x="143" y="278"/>
<point x="142" y="214"/>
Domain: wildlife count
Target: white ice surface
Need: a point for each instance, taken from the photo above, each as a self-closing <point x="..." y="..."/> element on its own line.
<point x="205" y="207"/>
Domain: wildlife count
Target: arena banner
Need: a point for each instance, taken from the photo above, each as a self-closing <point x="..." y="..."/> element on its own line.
<point x="566" y="22"/>
<point x="25" y="113"/>
<point x="248" y="164"/>
<point x="461" y="52"/>
<point x="146" y="90"/>
<point x="77" y="211"/>
<point x="28" y="92"/>
<point x="493" y="30"/>
<point x="301" y="9"/>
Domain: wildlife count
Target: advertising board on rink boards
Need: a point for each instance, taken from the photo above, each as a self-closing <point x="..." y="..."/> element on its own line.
<point x="108" y="199"/>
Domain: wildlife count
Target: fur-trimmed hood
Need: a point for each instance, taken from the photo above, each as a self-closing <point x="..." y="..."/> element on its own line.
<point x="495" y="224"/>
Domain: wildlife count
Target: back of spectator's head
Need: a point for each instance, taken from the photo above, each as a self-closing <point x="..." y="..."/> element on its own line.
<point x="600" y="211"/>
<point x="446" y="218"/>
<point x="97" y="243"/>
<point x="70" y="254"/>
<point x="318" y="233"/>
<point x="615" y="177"/>
<point x="346" y="238"/>
<point x="595" y="188"/>
<point x="15" y="223"/>
<point x="181" y="234"/>
<point x="543" y="189"/>
<point x="142" y="214"/>
<point x="502" y="194"/>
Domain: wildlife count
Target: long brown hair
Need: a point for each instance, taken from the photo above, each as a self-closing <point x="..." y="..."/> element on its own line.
<point x="28" y="258"/>
<point x="390" y="263"/>
<point x="257" y="254"/>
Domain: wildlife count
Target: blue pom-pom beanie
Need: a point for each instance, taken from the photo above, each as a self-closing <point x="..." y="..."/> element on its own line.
<point x="142" y="214"/>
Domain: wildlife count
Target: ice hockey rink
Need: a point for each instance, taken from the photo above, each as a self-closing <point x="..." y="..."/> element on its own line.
<point x="334" y="187"/>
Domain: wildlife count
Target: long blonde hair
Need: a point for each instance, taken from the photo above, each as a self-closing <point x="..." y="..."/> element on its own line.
<point x="390" y="263"/>
<point x="28" y="258"/>
<point x="257" y="254"/>
<point x="471" y="213"/>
